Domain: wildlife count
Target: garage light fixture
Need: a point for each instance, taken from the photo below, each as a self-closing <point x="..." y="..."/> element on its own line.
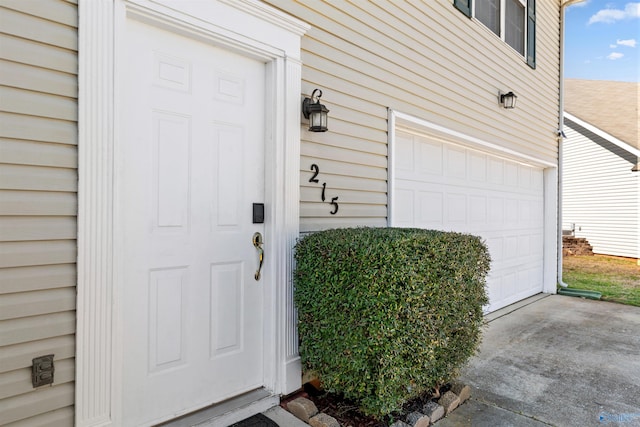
<point x="507" y="100"/>
<point x="315" y="112"/>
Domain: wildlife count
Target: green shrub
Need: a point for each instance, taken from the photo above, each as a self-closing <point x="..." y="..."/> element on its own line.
<point x="387" y="314"/>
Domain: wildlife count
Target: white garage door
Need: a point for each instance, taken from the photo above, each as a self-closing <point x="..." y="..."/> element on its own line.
<point x="443" y="186"/>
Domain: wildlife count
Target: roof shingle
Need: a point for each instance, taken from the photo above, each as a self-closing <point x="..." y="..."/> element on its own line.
<point x="608" y="105"/>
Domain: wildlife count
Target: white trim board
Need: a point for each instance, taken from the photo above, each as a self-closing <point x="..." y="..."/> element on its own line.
<point x="249" y="27"/>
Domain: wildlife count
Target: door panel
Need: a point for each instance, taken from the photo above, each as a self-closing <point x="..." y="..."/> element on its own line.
<point x="192" y="164"/>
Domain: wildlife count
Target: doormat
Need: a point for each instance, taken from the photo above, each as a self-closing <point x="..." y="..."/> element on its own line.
<point x="258" y="420"/>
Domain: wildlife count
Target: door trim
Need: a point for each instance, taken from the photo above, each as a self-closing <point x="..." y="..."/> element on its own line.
<point x="251" y="28"/>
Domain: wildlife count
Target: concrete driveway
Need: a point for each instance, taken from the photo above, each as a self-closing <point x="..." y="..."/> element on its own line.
<point x="555" y="360"/>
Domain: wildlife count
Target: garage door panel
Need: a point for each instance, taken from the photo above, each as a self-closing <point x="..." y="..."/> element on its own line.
<point x="495" y="246"/>
<point x="538" y="243"/>
<point x="496" y="210"/>
<point x="477" y="210"/>
<point x="524" y="178"/>
<point x="404" y="215"/>
<point x="524" y="246"/>
<point x="404" y="159"/>
<point x="431" y="207"/>
<point x="496" y="171"/>
<point x="426" y="181"/>
<point x="477" y="167"/>
<point x="494" y="287"/>
<point x="511" y="175"/>
<point x="524" y="215"/>
<point x="510" y="213"/>
<point x="430" y="158"/>
<point x="456" y="163"/>
<point x="419" y="157"/>
<point x="456" y="208"/>
<point x="449" y="187"/>
<point x="436" y="204"/>
<point x="537" y="179"/>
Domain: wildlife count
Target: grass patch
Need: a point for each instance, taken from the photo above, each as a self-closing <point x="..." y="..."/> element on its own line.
<point x="618" y="279"/>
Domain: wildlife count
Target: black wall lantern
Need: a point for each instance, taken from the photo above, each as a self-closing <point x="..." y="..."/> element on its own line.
<point x="508" y="100"/>
<point x="315" y="112"/>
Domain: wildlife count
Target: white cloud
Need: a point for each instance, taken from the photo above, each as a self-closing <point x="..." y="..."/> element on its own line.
<point x="629" y="42"/>
<point x="609" y="16"/>
<point x="613" y="46"/>
<point x="632" y="10"/>
<point x="615" y="55"/>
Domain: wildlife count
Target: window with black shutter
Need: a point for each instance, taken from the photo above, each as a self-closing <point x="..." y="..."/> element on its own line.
<point x="514" y="21"/>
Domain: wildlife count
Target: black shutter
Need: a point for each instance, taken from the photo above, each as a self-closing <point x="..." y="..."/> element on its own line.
<point x="463" y="6"/>
<point x="531" y="33"/>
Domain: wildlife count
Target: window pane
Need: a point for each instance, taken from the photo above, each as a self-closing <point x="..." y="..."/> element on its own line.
<point x="488" y="12"/>
<point x="514" y="25"/>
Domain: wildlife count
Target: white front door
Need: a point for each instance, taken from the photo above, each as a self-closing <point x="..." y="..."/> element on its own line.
<point x="192" y="165"/>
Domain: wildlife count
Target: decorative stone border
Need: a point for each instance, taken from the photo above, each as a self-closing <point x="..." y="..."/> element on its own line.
<point x="305" y="410"/>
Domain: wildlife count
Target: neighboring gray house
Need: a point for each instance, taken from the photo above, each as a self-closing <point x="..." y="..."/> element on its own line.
<point x="601" y="182"/>
<point x="137" y="135"/>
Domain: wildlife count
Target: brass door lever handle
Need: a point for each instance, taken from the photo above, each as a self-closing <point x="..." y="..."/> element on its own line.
<point x="257" y="243"/>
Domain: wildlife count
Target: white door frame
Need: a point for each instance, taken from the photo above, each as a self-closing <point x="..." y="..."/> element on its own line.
<point x="550" y="180"/>
<point x="245" y="26"/>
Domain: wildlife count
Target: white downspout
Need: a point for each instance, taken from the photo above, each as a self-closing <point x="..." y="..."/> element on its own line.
<point x="561" y="136"/>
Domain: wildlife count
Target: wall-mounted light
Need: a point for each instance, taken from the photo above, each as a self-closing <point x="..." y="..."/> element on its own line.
<point x="507" y="100"/>
<point x="315" y="112"/>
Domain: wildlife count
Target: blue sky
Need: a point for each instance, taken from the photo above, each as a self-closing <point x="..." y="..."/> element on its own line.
<point x="602" y="40"/>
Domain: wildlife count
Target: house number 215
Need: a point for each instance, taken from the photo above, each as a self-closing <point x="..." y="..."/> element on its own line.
<point x="314" y="179"/>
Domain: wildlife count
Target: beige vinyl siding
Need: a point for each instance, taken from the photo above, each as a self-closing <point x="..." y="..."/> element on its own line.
<point x="38" y="206"/>
<point x="601" y="195"/>
<point x="421" y="58"/>
<point x="57" y="418"/>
